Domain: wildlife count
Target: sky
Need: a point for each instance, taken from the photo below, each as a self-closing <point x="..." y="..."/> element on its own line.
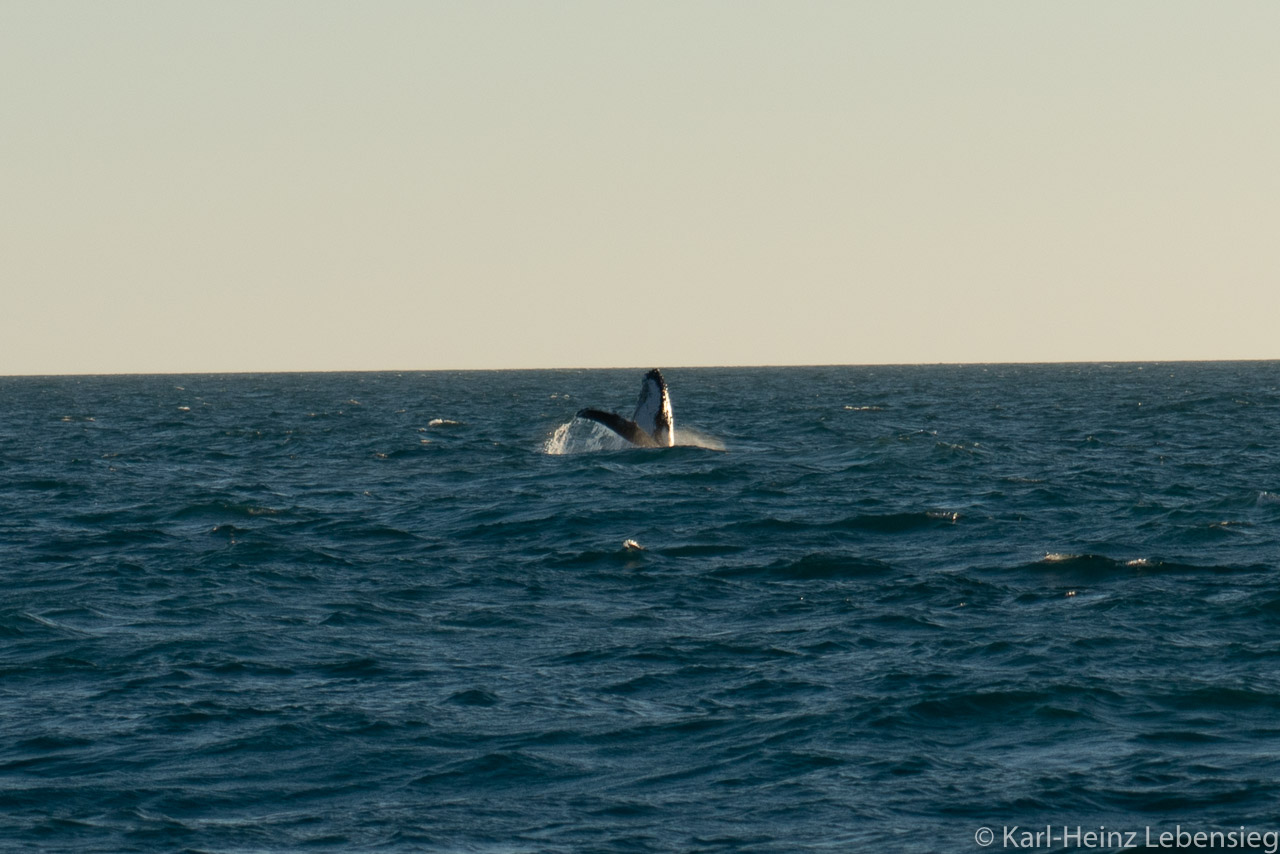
<point x="275" y="185"/>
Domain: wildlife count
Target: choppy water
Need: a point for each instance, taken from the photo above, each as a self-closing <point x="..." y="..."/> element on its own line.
<point x="874" y="609"/>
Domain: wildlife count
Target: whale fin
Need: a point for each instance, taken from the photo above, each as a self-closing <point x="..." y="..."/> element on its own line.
<point x="629" y="430"/>
<point x="653" y="410"/>
<point x="652" y="426"/>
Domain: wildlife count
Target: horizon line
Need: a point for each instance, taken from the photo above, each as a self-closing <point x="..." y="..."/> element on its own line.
<point x="957" y="364"/>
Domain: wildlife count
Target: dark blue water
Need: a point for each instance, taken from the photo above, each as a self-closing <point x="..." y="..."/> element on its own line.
<point x="873" y="609"/>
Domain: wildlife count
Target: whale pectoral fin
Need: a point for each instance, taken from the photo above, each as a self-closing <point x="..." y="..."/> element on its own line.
<point x="653" y="409"/>
<point x="628" y="430"/>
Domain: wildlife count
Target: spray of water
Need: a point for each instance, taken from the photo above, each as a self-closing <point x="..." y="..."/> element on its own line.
<point x="580" y="436"/>
<point x="698" y="439"/>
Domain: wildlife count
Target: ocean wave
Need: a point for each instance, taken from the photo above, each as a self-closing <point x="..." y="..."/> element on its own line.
<point x="813" y="566"/>
<point x="222" y="510"/>
<point x="879" y="523"/>
<point x="248" y="631"/>
<point x="1098" y="566"/>
<point x="473" y="697"/>
<point x="501" y="770"/>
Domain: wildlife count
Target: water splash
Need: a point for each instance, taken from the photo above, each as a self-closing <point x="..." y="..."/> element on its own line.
<point x="581" y="436"/>
<point x="696" y="439"/>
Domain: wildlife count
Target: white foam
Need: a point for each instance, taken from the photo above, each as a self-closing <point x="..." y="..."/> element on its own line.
<point x="579" y="436"/>
<point x="582" y="436"/>
<point x="555" y="443"/>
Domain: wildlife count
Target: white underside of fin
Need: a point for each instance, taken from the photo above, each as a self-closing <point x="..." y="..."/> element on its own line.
<point x="653" y="410"/>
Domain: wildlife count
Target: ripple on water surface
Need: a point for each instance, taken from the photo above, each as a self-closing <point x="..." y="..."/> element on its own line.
<point x="857" y="608"/>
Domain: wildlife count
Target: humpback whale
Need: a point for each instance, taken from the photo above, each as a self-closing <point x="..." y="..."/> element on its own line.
<point x="651" y="426"/>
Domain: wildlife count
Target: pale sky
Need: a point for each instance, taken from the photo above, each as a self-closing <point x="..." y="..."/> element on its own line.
<point x="268" y="185"/>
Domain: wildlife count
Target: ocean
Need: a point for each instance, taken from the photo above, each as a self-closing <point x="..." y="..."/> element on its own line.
<point x="919" y="609"/>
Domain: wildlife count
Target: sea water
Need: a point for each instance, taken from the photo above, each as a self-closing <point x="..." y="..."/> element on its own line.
<point x="855" y="608"/>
